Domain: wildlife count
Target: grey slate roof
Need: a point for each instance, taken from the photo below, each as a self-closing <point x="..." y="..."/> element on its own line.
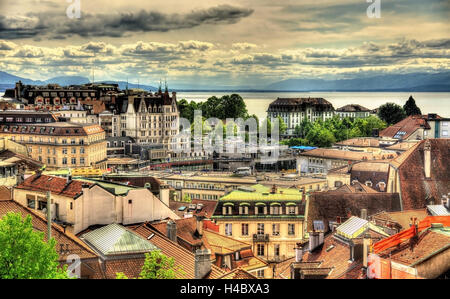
<point x="438" y="210"/>
<point x="115" y="239"/>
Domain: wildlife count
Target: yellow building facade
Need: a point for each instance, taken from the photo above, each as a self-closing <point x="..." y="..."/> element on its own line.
<point x="60" y="144"/>
<point x="271" y="219"/>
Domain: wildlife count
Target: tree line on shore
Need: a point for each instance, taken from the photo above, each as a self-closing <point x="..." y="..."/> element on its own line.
<point x="319" y="133"/>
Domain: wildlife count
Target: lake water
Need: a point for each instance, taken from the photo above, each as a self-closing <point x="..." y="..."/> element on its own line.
<point x="258" y="102"/>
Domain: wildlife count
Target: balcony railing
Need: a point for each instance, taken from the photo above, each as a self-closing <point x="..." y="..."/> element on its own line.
<point x="260" y="237"/>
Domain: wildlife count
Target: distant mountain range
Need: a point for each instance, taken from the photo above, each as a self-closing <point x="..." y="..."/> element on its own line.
<point x="426" y="82"/>
<point x="401" y="82"/>
<point x="8" y="81"/>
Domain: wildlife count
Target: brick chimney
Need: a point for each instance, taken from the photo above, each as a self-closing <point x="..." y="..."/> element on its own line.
<point x="171" y="230"/>
<point x="364" y="214"/>
<point x="199" y="225"/>
<point x="164" y="194"/>
<point x="427" y="159"/>
<point x="202" y="263"/>
<point x="274" y="189"/>
<point x="299" y="253"/>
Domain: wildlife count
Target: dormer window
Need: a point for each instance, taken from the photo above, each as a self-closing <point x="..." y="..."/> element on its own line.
<point x="227" y="208"/>
<point x="275" y="208"/>
<point x="243" y="208"/>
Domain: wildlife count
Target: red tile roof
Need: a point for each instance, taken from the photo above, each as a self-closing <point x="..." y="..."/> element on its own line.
<point x="416" y="190"/>
<point x="402" y="217"/>
<point x="183" y="257"/>
<point x="356" y="187"/>
<point x="206" y="211"/>
<point x="131" y="267"/>
<point x="429" y="242"/>
<point x="327" y="206"/>
<point x="238" y="274"/>
<point x="5" y="193"/>
<point x="333" y="254"/>
<point x="409" y="125"/>
<point x="56" y="185"/>
<point x="360" y="142"/>
<point x="353" y="108"/>
<point x="186" y="230"/>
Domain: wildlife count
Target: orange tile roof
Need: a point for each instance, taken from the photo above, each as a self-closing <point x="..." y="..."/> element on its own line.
<point x="408" y="125"/>
<point x="183" y="257"/>
<point x="402" y="217"/>
<point x="283" y="269"/>
<point x="333" y="254"/>
<point x="238" y="274"/>
<point x="357" y="187"/>
<point x="131" y="267"/>
<point x="5" y="193"/>
<point x="56" y="185"/>
<point x="429" y="242"/>
<point x="186" y="228"/>
<point x="360" y="142"/>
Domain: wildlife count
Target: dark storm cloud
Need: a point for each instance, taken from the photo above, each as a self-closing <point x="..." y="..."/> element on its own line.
<point x="33" y="25"/>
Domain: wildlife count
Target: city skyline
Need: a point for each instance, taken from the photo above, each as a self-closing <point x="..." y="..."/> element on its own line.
<point x="235" y="43"/>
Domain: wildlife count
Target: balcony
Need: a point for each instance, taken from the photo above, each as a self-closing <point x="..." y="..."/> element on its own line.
<point x="260" y="237"/>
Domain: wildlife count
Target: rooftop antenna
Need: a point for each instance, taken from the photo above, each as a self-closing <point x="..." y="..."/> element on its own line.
<point x="93" y="69"/>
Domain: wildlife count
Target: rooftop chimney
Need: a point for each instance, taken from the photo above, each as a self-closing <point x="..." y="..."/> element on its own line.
<point x="298" y="253"/>
<point x="364" y="214"/>
<point x="427" y="159"/>
<point x="202" y="263"/>
<point x="274" y="189"/>
<point x="199" y="224"/>
<point x="172" y="230"/>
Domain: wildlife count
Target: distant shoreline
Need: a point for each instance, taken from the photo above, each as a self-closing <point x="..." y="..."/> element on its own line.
<point x="290" y="91"/>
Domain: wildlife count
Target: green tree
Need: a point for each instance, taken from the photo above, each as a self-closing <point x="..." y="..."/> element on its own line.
<point x="303" y="128"/>
<point x="157" y="266"/>
<point x="213" y="107"/>
<point x="187" y="109"/>
<point x="294" y="142"/>
<point x="187" y="198"/>
<point x="411" y="108"/>
<point x="282" y="125"/>
<point x="233" y="106"/>
<point x="23" y="252"/>
<point x="320" y="136"/>
<point x="391" y="113"/>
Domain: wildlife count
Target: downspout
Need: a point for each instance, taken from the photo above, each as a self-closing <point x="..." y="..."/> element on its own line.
<point x="49" y="216"/>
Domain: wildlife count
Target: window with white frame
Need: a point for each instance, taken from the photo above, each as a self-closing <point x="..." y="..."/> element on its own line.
<point x="228" y="229"/>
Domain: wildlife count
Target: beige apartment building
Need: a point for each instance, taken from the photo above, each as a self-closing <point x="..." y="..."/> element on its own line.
<point x="79" y="204"/>
<point x="271" y="219"/>
<point x="60" y="144"/>
<point x="207" y="187"/>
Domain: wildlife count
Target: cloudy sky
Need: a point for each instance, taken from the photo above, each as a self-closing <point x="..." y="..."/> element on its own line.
<point x="222" y="42"/>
